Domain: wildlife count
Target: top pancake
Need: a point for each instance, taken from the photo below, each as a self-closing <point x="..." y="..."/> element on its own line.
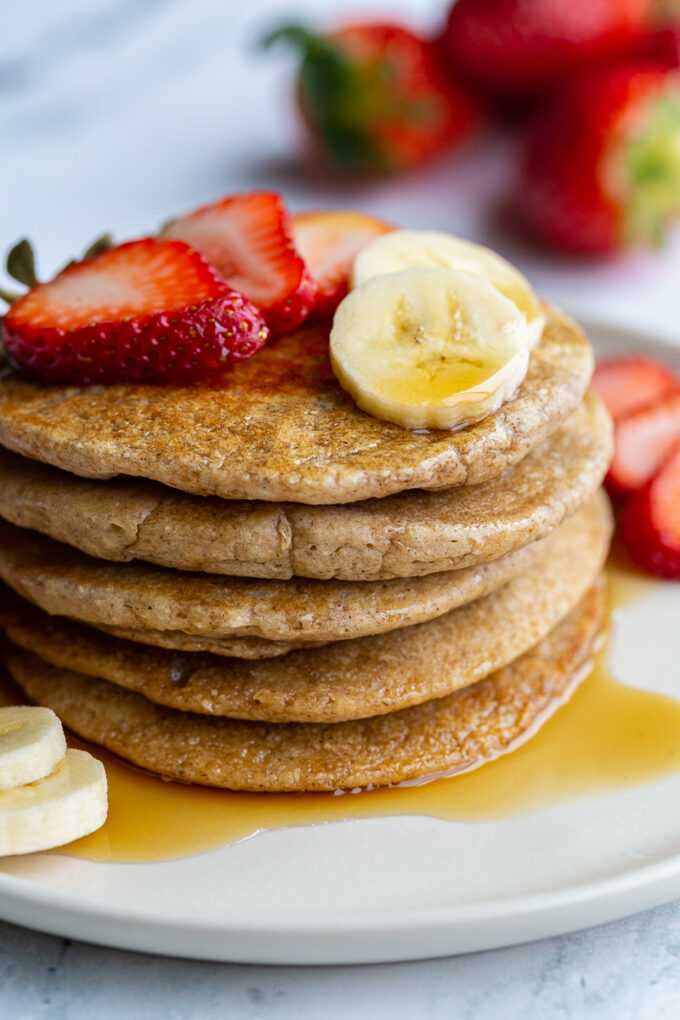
<point x="281" y="428"/>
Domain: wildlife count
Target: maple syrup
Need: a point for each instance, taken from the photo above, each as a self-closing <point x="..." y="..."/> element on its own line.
<point x="607" y="737"/>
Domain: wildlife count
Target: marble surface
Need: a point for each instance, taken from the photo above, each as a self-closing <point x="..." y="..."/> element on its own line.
<point x="624" y="971"/>
<point x="115" y="114"/>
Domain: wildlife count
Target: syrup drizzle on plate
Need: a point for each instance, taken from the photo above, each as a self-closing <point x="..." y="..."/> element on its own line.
<point x="606" y="738"/>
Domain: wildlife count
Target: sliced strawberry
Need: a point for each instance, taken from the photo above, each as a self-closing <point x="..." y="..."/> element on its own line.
<point x="248" y="239"/>
<point x="643" y="441"/>
<point x="650" y="523"/>
<point x="631" y="383"/>
<point x="146" y="311"/>
<point x="328" y="241"/>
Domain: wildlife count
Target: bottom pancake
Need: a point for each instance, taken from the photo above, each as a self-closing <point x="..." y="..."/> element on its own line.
<point x="455" y="733"/>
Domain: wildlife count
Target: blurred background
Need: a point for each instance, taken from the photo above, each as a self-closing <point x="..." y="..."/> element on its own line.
<point x="117" y="114"/>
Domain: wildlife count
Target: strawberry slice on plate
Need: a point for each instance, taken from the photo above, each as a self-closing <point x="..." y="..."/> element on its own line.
<point x="643" y="440"/>
<point x="248" y="239"/>
<point x="650" y="523"/>
<point x="145" y="311"/>
<point x="630" y="383"/>
<point x="328" y="241"/>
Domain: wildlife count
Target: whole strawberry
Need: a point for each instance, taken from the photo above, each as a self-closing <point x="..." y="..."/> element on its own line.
<point x="518" y="49"/>
<point x="145" y="311"/>
<point x="601" y="168"/>
<point x="376" y="98"/>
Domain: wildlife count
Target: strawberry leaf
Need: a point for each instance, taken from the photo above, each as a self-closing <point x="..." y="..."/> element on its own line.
<point x="339" y="94"/>
<point x="101" y="244"/>
<point x="21" y="263"/>
<point x="10" y="296"/>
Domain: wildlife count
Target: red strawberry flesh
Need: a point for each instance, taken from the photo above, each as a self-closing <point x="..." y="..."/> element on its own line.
<point x="133" y="279"/>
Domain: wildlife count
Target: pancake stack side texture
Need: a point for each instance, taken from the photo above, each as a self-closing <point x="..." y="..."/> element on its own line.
<point x="259" y="587"/>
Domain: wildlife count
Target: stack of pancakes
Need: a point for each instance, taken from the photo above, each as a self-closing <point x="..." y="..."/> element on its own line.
<point x="260" y="587"/>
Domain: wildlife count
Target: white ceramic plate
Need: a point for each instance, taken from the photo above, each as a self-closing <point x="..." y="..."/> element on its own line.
<point x="392" y="888"/>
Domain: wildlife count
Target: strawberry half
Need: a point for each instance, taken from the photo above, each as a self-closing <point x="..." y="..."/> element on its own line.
<point x="631" y="383"/>
<point x="650" y="523"/>
<point x="328" y="241"/>
<point x="248" y="239"/>
<point x="146" y="311"/>
<point x="643" y="441"/>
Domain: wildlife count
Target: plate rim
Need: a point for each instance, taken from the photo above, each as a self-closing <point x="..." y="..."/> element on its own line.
<point x="348" y="938"/>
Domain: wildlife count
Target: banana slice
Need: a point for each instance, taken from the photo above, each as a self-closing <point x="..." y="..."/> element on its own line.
<point x="429" y="348"/>
<point x="31" y="744"/>
<point x="67" y="804"/>
<point x="403" y="248"/>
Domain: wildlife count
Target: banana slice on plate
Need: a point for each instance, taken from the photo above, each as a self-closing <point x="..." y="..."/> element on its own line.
<point x="31" y="744"/>
<point x="67" y="804"/>
<point x="429" y="348"/>
<point x="402" y="249"/>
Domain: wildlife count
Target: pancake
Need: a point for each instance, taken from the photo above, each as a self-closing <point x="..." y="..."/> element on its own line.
<point x="237" y="647"/>
<point x="461" y="731"/>
<point x="408" y="534"/>
<point x="281" y="428"/>
<point x="146" y="599"/>
<point x="346" y="680"/>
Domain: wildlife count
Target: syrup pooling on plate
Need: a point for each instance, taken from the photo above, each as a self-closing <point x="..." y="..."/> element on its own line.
<point x="607" y="737"/>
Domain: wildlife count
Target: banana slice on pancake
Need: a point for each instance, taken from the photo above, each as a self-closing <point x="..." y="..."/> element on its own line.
<point x="402" y="249"/>
<point x="429" y="347"/>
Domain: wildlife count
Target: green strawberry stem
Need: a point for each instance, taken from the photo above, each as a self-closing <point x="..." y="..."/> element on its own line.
<point x="340" y="97"/>
<point x="652" y="166"/>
